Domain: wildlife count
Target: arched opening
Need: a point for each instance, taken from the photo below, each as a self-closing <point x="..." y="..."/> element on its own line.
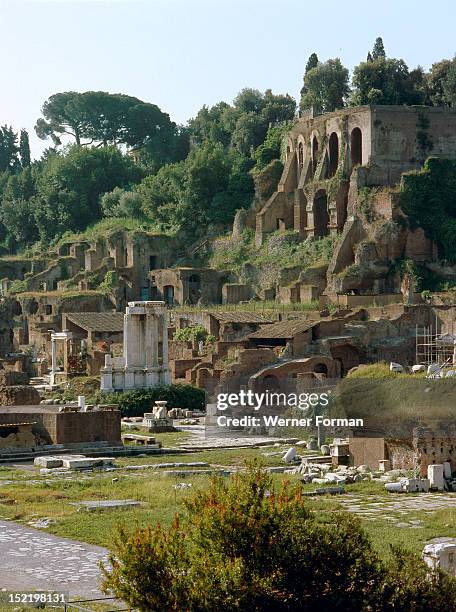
<point x="314" y="154"/>
<point x="333" y="154"/>
<point x="301" y="155"/>
<point x="321" y="368"/>
<point x="168" y="294"/>
<point x="17" y="309"/>
<point x="270" y="383"/>
<point x="348" y="357"/>
<point x="288" y="153"/>
<point x="194" y="288"/>
<point x="320" y="213"/>
<point x="356" y="147"/>
<point x="33" y="307"/>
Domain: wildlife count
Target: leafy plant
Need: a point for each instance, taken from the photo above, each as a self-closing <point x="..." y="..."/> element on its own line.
<point x="136" y="403"/>
<point x="245" y="544"/>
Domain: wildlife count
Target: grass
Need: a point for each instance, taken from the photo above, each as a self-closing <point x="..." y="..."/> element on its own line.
<point x="108" y="225"/>
<point x="34" y="496"/>
<point x="266" y="305"/>
<point x="161" y="500"/>
<point x="280" y="250"/>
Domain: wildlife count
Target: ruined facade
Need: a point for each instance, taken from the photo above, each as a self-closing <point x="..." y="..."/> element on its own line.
<point x="341" y="175"/>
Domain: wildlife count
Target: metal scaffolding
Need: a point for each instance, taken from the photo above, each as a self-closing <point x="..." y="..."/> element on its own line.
<point x="435" y="347"/>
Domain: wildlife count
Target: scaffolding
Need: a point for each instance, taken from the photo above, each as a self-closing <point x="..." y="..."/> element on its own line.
<point x="433" y="346"/>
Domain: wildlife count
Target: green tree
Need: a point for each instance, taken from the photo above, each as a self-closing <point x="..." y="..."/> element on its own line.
<point x="312" y="62"/>
<point x="378" y="49"/>
<point x="244" y="544"/>
<point x="62" y="115"/>
<point x="325" y="87"/>
<point x="17" y="205"/>
<point x="8" y="149"/>
<point x="24" y="149"/>
<point x="101" y="118"/>
<point x="70" y="186"/>
<point x="387" y="81"/>
<point x="449" y="87"/>
<point x="271" y="147"/>
<point x="121" y="203"/>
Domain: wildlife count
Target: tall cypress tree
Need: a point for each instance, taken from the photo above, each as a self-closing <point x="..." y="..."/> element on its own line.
<point x="379" y="49"/>
<point x="24" y="149"/>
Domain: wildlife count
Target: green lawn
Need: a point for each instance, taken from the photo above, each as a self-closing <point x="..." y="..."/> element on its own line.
<point x="41" y="497"/>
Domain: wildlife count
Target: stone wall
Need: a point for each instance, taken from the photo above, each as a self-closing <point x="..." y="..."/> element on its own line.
<point x="54" y="427"/>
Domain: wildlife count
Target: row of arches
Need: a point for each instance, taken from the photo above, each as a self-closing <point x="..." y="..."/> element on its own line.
<point x="356" y="151"/>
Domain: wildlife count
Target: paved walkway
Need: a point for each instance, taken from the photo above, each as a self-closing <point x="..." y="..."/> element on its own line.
<point x="31" y="560"/>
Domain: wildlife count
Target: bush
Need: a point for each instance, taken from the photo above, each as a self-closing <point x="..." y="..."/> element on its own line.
<point x="243" y="545"/>
<point x="193" y="333"/>
<point x="136" y="403"/>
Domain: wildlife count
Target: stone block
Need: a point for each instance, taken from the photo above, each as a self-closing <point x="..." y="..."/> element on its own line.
<point x="435" y="476"/>
<point x="289" y="455"/>
<point x="48" y="462"/>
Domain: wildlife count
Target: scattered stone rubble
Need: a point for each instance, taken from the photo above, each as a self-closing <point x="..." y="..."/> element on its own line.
<point x="439" y="478"/>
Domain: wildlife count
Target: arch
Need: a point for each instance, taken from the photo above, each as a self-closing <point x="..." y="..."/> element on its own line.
<point x="356" y="147"/>
<point x="195" y="280"/>
<point x="320" y="213"/>
<point x="333" y="148"/>
<point x="289" y="150"/>
<point x="168" y="294"/>
<point x="300" y="155"/>
<point x="314" y="154"/>
<point x="270" y="383"/>
<point x="321" y="368"/>
<point x="347" y="355"/>
<point x="17" y="309"/>
<point x="33" y="307"/>
<point x="194" y="288"/>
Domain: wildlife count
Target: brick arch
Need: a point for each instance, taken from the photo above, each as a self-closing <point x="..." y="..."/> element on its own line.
<point x="333" y="154"/>
<point x="356" y="147"/>
<point x="320" y="213"/>
<point x="315" y="145"/>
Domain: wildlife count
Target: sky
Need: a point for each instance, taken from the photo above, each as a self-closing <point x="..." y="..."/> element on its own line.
<point x="182" y="54"/>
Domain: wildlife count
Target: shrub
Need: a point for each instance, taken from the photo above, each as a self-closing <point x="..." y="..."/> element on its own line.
<point x="245" y="545"/>
<point x="192" y="333"/>
<point x="136" y="403"/>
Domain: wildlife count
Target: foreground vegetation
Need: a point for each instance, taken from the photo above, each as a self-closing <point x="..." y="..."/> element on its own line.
<point x="26" y="496"/>
<point x="247" y="544"/>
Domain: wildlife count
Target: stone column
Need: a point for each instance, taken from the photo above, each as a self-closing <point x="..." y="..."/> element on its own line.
<point x="125" y="350"/>
<point x="53" y="355"/>
<point x="155" y="341"/>
<point x="166" y="380"/>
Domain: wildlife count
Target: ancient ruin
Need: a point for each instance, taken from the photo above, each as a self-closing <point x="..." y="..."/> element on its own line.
<point x="142" y="364"/>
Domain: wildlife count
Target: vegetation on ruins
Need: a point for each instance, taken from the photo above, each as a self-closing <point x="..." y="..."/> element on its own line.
<point x="280" y="250"/>
<point x="136" y="403"/>
<point x="193" y="333"/>
<point x="190" y="179"/>
<point x="246" y="544"/>
<point x="428" y="197"/>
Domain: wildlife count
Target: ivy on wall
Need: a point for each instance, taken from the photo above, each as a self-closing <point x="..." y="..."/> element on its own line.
<point x="428" y="197"/>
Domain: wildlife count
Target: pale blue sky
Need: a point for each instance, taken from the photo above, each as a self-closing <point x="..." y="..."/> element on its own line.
<point x="181" y="54"/>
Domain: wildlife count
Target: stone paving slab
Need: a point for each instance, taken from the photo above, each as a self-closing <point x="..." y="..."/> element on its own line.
<point x="31" y="560"/>
<point x="394" y="508"/>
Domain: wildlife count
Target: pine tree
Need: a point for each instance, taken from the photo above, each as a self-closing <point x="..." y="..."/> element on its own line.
<point x="24" y="149"/>
<point x="312" y="62"/>
<point x="369" y="57"/>
<point x="379" y="49"/>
